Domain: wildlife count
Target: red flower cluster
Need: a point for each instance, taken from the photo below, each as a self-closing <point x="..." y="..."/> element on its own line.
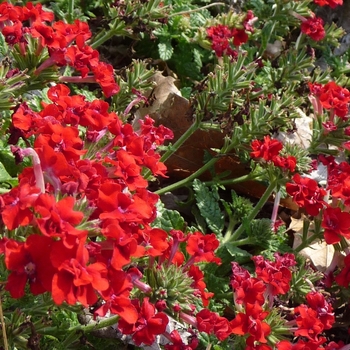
<point x="339" y="181"/>
<point x="313" y="27"/>
<point x="222" y="37"/>
<point x="148" y="324"/>
<point x="250" y="293"/>
<point x="331" y="3"/>
<point x="109" y="188"/>
<point x="332" y="97"/>
<point x="211" y="323"/>
<point x="307" y="194"/>
<point x="65" y="43"/>
<point x="313" y="319"/>
<point x="269" y="150"/>
<point x="343" y="278"/>
<point x="336" y="224"/>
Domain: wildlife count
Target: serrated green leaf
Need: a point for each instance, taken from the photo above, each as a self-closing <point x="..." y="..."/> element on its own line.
<point x="4" y="175"/>
<point x="168" y="219"/>
<point x="197" y="58"/>
<point x="165" y="50"/>
<point x="239" y="255"/>
<point x="208" y="204"/>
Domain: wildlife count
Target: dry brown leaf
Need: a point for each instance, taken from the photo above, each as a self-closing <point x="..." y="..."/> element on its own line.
<point x="318" y="252"/>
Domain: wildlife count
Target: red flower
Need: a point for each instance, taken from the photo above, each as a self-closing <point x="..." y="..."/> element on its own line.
<point x="309" y="325"/>
<point x="313" y="27"/>
<point x="77" y="282"/>
<point x="116" y="297"/>
<point x="276" y="274"/>
<point x="335" y="97"/>
<point x="198" y="277"/>
<point x="307" y="194"/>
<point x="29" y="262"/>
<point x="58" y="218"/>
<point x="252" y="323"/>
<point x="178" y="344"/>
<point x="331" y="3"/>
<point x="201" y="247"/>
<point x="267" y="149"/>
<point x="104" y="76"/>
<point x="343" y="279"/>
<point x="13" y="34"/>
<point x="324" y="310"/>
<point x="336" y="224"/>
<point x="16" y="204"/>
<point x="250" y="291"/>
<point x="148" y="325"/>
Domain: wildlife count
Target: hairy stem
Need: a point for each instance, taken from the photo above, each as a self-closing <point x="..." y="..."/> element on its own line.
<point x="235" y="235"/>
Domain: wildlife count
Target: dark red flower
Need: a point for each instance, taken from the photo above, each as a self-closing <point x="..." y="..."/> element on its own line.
<point x="343" y="279"/>
<point x="336" y="224"/>
<point x="313" y="27"/>
<point x="307" y="194"/>
<point x="324" y="310"/>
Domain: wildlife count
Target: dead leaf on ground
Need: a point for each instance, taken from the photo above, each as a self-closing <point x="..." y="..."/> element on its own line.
<point x="319" y="252"/>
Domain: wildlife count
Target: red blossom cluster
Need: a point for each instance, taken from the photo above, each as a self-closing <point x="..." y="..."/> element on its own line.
<point x="269" y="150"/>
<point x="65" y="43"/>
<point x="307" y="194"/>
<point x="331" y="97"/>
<point x="311" y="321"/>
<point x="222" y="37"/>
<point x="72" y="194"/>
<point x="313" y="27"/>
<point x="331" y="3"/>
<point x="253" y="296"/>
<point x="69" y="195"/>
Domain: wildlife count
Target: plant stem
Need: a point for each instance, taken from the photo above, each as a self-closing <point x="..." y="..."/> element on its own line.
<point x="194" y="127"/>
<point x="307" y="242"/>
<point x="226" y="182"/>
<point x="243" y="241"/>
<point x="198" y="9"/>
<point x="3" y="327"/>
<point x="107" y="322"/>
<point x="235" y="235"/>
<point x="70" y="10"/>
<point x="173" y="148"/>
<point x="188" y="179"/>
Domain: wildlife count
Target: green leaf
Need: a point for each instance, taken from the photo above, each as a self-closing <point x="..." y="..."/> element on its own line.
<point x="239" y="255"/>
<point x="208" y="204"/>
<point x="165" y="50"/>
<point x="4" y="175"/>
<point x="168" y="219"/>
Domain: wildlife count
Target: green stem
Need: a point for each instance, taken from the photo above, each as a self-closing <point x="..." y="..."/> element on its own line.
<point x="194" y="127"/>
<point x="226" y="182"/>
<point x="196" y="10"/>
<point x="70" y="10"/>
<point x="307" y="242"/>
<point x="235" y="235"/>
<point x="188" y="179"/>
<point x="107" y="322"/>
<point x="200" y="171"/>
<point x="173" y="148"/>
<point x="243" y="241"/>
